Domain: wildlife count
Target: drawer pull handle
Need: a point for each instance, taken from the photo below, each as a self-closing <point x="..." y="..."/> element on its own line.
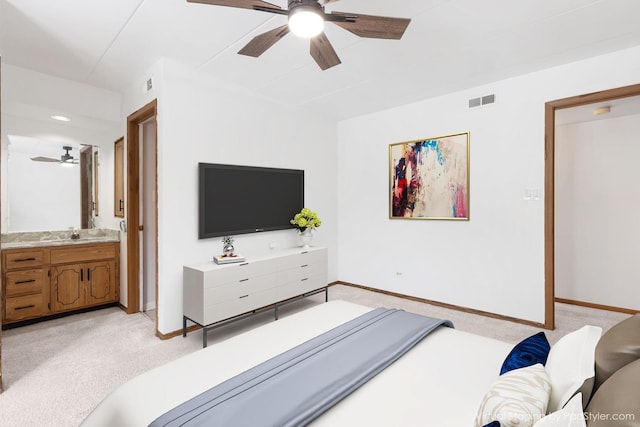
<point x="305" y="279"/>
<point x="25" y="307"/>
<point x="25" y="259"/>
<point x="243" y="264"/>
<point x="244" y="296"/>
<point x="304" y="265"/>
<point x="304" y="252"/>
<point x="244" y="280"/>
<point x="22" y="282"/>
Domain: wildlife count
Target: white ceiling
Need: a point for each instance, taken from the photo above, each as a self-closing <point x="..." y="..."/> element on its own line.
<point x="449" y="45"/>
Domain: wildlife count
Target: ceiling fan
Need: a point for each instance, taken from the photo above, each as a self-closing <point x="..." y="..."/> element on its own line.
<point x="66" y="158"/>
<point x="307" y="19"/>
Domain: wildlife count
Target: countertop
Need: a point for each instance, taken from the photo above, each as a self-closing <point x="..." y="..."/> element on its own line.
<point x="57" y="238"/>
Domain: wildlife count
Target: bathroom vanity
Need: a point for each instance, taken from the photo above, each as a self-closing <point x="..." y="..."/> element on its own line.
<point x="47" y="277"/>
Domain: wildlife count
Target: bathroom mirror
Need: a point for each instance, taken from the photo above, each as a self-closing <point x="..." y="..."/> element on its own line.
<point x="56" y="152"/>
<point x="49" y="185"/>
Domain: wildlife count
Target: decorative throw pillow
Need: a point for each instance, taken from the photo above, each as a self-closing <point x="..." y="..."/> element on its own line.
<point x="618" y="347"/>
<point x="572" y="415"/>
<point x="527" y="352"/>
<point x="571" y="366"/>
<point x="616" y="403"/>
<point x="517" y="399"/>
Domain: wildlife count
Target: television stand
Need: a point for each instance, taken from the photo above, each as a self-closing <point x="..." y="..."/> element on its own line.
<point x="214" y="295"/>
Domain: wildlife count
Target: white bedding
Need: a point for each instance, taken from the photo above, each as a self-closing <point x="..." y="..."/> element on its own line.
<point x="440" y="382"/>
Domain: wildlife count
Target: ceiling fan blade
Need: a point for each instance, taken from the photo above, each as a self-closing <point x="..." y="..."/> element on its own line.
<point x="45" y="159"/>
<point x="241" y="4"/>
<point x="375" y="27"/>
<point x="260" y="43"/>
<point x="323" y="52"/>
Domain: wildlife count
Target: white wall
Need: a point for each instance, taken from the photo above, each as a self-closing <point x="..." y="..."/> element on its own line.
<point x="495" y="261"/>
<point x="148" y="213"/>
<point x="200" y="121"/>
<point x="597" y="200"/>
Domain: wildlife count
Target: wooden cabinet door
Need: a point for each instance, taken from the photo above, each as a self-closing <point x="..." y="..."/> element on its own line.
<point x="67" y="287"/>
<point x="101" y="282"/>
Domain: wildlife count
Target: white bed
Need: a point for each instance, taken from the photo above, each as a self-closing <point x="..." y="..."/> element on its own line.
<point x="441" y="382"/>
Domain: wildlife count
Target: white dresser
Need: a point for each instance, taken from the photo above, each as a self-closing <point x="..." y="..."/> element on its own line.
<point x="213" y="293"/>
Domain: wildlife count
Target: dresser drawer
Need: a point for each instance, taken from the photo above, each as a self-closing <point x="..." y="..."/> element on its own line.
<point x="25" y="307"/>
<point x="299" y="273"/>
<point x="82" y="253"/>
<point x="25" y="281"/>
<point x="233" y="273"/>
<point x="239" y="288"/>
<point x="24" y="259"/>
<point x="304" y="258"/>
<point x="308" y="284"/>
<point x="231" y="308"/>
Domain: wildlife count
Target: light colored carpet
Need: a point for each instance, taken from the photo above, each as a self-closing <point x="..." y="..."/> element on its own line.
<point x="56" y="372"/>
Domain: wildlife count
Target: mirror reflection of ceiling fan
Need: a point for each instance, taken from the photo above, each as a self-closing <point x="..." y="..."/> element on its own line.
<point x="307" y="19"/>
<point x="65" y="159"/>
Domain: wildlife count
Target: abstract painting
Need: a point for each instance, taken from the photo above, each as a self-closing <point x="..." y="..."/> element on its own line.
<point x="429" y="178"/>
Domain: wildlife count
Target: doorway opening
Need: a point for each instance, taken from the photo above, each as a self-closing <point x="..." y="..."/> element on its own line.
<point x="142" y="212"/>
<point x="549" y="200"/>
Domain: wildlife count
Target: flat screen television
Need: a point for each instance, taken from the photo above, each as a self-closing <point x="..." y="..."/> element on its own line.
<point x="247" y="199"/>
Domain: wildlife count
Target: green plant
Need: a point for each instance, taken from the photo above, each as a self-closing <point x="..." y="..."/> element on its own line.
<point x="306" y="219"/>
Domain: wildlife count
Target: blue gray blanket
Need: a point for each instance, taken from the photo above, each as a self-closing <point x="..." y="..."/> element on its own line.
<point x="297" y="386"/>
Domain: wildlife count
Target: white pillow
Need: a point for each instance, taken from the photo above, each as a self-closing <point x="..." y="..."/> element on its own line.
<point x="518" y="398"/>
<point x="571" y="366"/>
<point x="572" y="415"/>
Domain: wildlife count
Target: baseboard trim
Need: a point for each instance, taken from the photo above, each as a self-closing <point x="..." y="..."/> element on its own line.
<point x="193" y="328"/>
<point x="444" y="305"/>
<point x="597" y="306"/>
<point x="177" y="333"/>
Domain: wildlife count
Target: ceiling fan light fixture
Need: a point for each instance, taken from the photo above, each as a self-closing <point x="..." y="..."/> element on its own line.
<point x="306" y="21"/>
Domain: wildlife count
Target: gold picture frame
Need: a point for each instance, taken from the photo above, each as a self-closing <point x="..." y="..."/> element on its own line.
<point x="429" y="178"/>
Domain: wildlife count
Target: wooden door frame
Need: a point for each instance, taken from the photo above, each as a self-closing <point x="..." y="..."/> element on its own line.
<point x="133" y="206"/>
<point x="549" y="182"/>
<point x="86" y="185"/>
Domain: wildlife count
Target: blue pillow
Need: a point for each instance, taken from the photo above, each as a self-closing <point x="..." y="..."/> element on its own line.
<point x="493" y="424"/>
<point x="527" y="352"/>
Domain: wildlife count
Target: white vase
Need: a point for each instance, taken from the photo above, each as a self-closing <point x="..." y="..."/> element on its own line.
<point x="305" y="238"/>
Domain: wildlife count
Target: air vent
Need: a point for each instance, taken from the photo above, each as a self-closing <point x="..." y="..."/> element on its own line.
<point x="488" y="99"/>
<point x="484" y="100"/>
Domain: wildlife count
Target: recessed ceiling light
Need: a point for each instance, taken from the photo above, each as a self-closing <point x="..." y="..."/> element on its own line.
<point x="602" y="110"/>
<point x="61" y="118"/>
